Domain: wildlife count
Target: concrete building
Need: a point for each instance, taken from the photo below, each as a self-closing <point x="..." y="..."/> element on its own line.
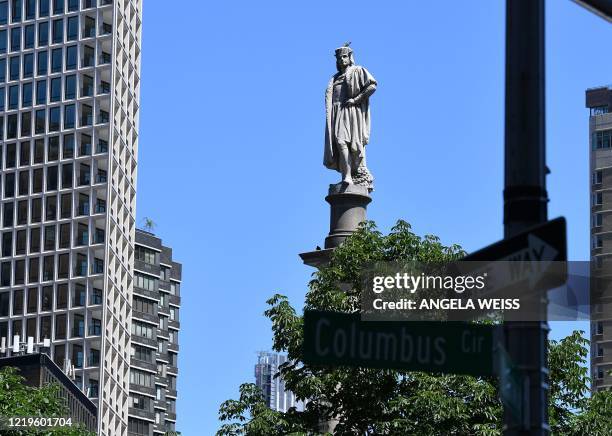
<point x="69" y="94"/>
<point x="154" y="348"/>
<point x="599" y="102"/>
<point x="276" y="396"/>
<point x="39" y="370"/>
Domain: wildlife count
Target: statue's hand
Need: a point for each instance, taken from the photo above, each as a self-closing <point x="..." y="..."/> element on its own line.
<point x="349" y="102"/>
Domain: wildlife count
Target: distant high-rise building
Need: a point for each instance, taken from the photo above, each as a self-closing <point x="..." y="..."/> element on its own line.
<point x="69" y="100"/>
<point x="599" y="102"/>
<point x="155" y="326"/>
<point x="273" y="388"/>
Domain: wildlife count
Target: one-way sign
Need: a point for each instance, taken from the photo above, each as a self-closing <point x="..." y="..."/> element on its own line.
<point x="533" y="259"/>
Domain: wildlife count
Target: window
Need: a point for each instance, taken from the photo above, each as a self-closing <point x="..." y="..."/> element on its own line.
<point x="68" y="146"/>
<point x="29" y="37"/>
<point x="142" y="353"/>
<point x="597" y="220"/>
<point x="26" y="100"/>
<point x="2" y="41"/>
<point x="7" y="244"/>
<point x="9" y="185"/>
<point x="64" y="237"/>
<point x="95" y="327"/>
<point x="142" y="329"/>
<point x="78" y="326"/>
<point x="2" y="101"/>
<point x="60" y="326"/>
<point x="87" y="88"/>
<point x="39" y="121"/>
<point x="141" y="402"/>
<point x="13" y="100"/>
<point x="58" y="31"/>
<point x="37" y="186"/>
<point x="16" y="39"/>
<point x="144" y="305"/>
<point x="45" y="327"/>
<point x="53" y="149"/>
<point x="24" y="153"/>
<point x="145" y="255"/>
<point x="56" y="89"/>
<point x="51" y="179"/>
<point x="71" y="57"/>
<point x="83" y="204"/>
<point x="597" y="177"/>
<point x="54" y="119"/>
<point x="141" y="378"/>
<point x="94" y="357"/>
<point x="62" y="296"/>
<point x="138" y="426"/>
<point x="43" y="8"/>
<point x="81" y="265"/>
<point x="7" y="216"/>
<point x="14" y="68"/>
<point x="16" y="11"/>
<point x="50" y="238"/>
<point x="66" y="176"/>
<point x="602" y="139"/>
<point x="56" y="60"/>
<point x="28" y="65"/>
<point x="33" y="275"/>
<point x="42" y="61"/>
<point x="96" y="296"/>
<point x="30" y="8"/>
<point x="86" y="115"/>
<point x="43" y="34"/>
<point x="82" y="235"/>
<point x="84" y="175"/>
<point x="85" y="146"/>
<point x="69" y="116"/>
<point x="77" y="355"/>
<point x="24" y="179"/>
<point x="72" y="31"/>
<point x="70" y="87"/>
<point x="73" y="5"/>
<point x="58" y="7"/>
<point x="32" y="300"/>
<point x="2" y="70"/>
<point x="4" y="12"/>
<point x="88" y="57"/>
<point x="597" y="242"/>
<point x="597" y="199"/>
<point x="41" y="97"/>
<point x="79" y="295"/>
<point x="599" y="110"/>
<point x="47" y="298"/>
<point x="35" y="240"/>
<point x="66" y="206"/>
<point x="59" y="352"/>
<point x="18" y="302"/>
<point x="145" y="282"/>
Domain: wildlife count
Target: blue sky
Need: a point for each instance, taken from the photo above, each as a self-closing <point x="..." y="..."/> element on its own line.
<point x="231" y="141"/>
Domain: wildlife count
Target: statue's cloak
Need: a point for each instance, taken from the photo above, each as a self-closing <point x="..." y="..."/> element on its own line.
<point x="353" y="119"/>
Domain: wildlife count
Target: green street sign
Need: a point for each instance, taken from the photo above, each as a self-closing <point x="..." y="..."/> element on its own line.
<point x="340" y="339"/>
<point x="512" y="388"/>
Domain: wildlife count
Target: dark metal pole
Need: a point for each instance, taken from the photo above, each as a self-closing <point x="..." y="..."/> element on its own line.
<point x="525" y="197"/>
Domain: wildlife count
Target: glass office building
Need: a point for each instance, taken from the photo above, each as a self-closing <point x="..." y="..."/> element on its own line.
<point x="69" y="94"/>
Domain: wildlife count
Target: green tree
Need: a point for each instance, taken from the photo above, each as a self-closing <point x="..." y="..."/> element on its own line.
<point x="18" y="399"/>
<point x="372" y="401"/>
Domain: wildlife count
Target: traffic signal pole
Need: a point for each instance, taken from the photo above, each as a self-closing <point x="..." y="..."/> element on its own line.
<point x="525" y="196"/>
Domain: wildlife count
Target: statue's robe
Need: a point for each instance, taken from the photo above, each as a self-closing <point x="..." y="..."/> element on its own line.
<point x="351" y="124"/>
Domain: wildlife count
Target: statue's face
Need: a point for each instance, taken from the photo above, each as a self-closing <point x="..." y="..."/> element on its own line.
<point x="343" y="60"/>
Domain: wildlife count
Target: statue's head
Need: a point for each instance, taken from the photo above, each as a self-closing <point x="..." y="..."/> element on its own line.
<point x="344" y="57"/>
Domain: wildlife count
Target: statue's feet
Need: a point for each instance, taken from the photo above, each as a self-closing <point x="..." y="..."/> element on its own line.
<point x="347" y="181"/>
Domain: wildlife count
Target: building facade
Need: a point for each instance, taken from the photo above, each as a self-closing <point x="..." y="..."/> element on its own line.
<point x="599" y="102"/>
<point x="39" y="370"/>
<point x="69" y="93"/>
<point x="276" y="396"/>
<point x="154" y="348"/>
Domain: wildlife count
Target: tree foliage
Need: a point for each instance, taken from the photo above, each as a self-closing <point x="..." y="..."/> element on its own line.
<point x="389" y="402"/>
<point x="19" y="400"/>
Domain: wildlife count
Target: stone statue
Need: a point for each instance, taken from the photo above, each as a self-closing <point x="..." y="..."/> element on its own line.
<point x="347" y="129"/>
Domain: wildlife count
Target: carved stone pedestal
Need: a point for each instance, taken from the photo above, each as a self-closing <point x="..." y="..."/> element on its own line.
<point x="348" y="209"/>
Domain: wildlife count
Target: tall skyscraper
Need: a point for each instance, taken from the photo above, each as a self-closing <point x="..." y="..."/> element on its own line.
<point x="69" y="92"/>
<point x="273" y="388"/>
<point x="155" y="326"/>
<point x="599" y="102"/>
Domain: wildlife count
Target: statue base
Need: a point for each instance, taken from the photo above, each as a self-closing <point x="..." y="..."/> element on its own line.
<point x="348" y="205"/>
<point x="348" y="209"/>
